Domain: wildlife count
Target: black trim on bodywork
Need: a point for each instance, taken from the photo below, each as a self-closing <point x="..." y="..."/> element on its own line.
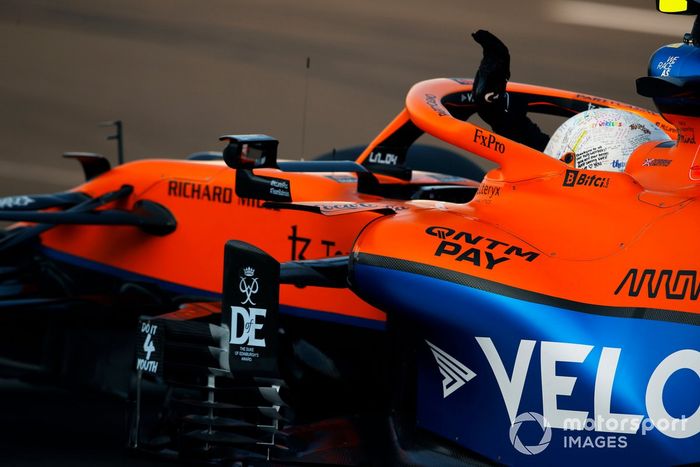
<point x="150" y="216"/>
<point x="325" y="272"/>
<point x="19" y="236"/>
<point x="485" y="285"/>
<point x="396" y="144"/>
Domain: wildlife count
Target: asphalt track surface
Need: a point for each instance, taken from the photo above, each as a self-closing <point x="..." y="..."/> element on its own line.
<point x="180" y="73"/>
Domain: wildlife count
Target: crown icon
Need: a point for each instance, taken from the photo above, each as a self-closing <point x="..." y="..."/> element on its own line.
<point x="248" y="272"/>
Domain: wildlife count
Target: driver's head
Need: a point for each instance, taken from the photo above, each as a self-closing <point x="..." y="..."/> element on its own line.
<point x="601" y="139"/>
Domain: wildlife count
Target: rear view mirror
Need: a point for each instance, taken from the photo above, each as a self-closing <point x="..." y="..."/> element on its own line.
<point x="250" y="151"/>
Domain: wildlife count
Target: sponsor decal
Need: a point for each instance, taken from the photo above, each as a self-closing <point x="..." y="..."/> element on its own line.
<point x="489" y="141"/>
<point x="446" y="178"/>
<point x="244" y="321"/>
<point x="148" y="355"/>
<point x="462" y="81"/>
<point x="15" y="202"/>
<point x="687" y="136"/>
<point x="249" y="309"/>
<point x="608" y="123"/>
<point x="642" y="128"/>
<point x="343" y="178"/>
<point x="580" y="178"/>
<point x="612" y="389"/>
<point x="433" y="103"/>
<point x="300" y="245"/>
<point x="617" y="164"/>
<point x="667" y="65"/>
<point x="383" y="158"/>
<point x="665" y="126"/>
<point x="251" y="203"/>
<point x="488" y="191"/>
<point x="476" y="249"/>
<point x="200" y="192"/>
<point x="656" y="162"/>
<point x="454" y="373"/>
<point x="249" y="289"/>
<point x="558" y="381"/>
<point x="279" y="187"/>
<point x="555" y="385"/>
<point x="665" y="283"/>
<point x="595" y="102"/>
<point x="348" y="206"/>
<point x="245" y="326"/>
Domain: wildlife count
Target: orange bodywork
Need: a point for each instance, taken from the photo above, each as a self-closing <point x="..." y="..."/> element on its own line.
<point x="603" y="238"/>
<point x="201" y="196"/>
<point x="192" y="256"/>
<point x="534" y="223"/>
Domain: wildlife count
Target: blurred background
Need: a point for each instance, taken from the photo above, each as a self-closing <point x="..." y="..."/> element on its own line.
<point x="180" y="73"/>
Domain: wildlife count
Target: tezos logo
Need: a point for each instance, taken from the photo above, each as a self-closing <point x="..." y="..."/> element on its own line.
<point x="578" y="178"/>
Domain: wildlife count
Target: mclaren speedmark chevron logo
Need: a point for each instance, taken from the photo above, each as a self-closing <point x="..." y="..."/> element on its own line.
<point x="454" y="373"/>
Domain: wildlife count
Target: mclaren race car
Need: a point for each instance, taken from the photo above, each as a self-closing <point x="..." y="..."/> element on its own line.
<point x="549" y="319"/>
<point x="365" y="313"/>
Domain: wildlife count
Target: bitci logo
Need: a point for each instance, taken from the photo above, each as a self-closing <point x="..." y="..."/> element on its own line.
<point x="570" y="177"/>
<point x="578" y="178"/>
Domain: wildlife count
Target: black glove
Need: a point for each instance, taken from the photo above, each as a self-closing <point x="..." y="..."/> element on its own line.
<point x="492" y="101"/>
<point x="489" y="92"/>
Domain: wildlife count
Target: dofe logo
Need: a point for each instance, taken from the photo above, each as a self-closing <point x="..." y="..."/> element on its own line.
<point x="248" y="328"/>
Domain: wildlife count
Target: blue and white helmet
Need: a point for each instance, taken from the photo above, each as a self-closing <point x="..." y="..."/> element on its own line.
<point x="602" y="139"/>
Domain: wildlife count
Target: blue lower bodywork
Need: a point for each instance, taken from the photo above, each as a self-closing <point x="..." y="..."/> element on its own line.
<point x="595" y="366"/>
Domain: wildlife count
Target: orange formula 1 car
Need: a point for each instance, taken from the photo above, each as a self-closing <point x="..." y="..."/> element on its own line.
<point x="148" y="237"/>
<point x="151" y="233"/>
<point x="550" y="319"/>
<point x="361" y="313"/>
